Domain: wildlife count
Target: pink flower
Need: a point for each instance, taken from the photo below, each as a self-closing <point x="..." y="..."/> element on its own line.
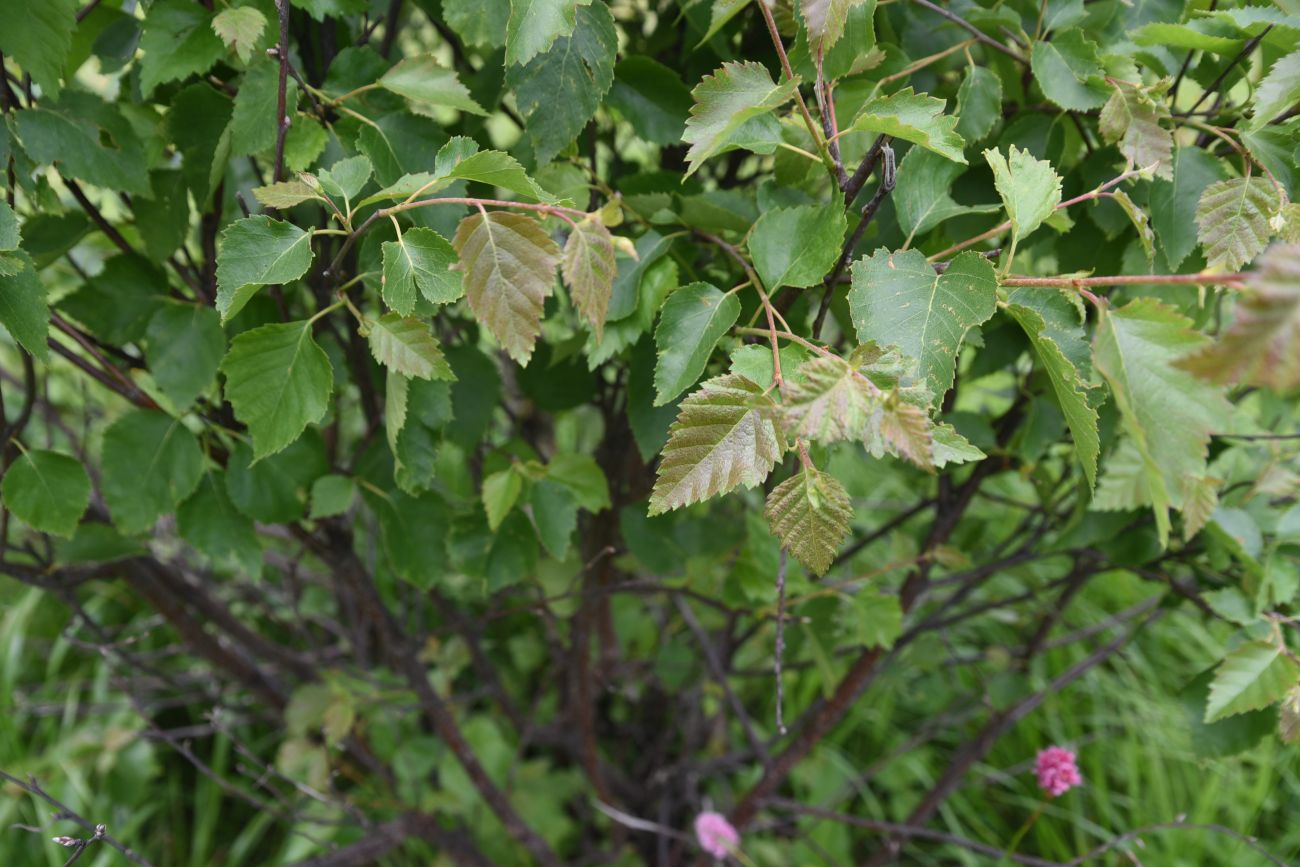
<point x="716" y="835"/>
<point x="1057" y="772"/>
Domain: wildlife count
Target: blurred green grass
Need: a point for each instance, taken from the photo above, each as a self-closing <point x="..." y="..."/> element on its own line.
<point x="63" y="720"/>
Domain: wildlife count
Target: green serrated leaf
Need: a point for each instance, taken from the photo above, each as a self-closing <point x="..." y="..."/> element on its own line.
<point x="508" y="262"/>
<point x="198" y="120"/>
<point x="480" y="23"/>
<point x="184" y="349"/>
<point x="921" y="198"/>
<point x="501" y="491"/>
<point x="426" y="82"/>
<point x="1132" y="118"/>
<point x="726" y="101"/>
<point x="694" y="318"/>
<point x="346" y="178"/>
<point x="583" y="477"/>
<point x="979" y="105"/>
<point x="1173" y="201"/>
<point x="914" y="117"/>
<point x="726" y="435"/>
<point x="10" y="234"/>
<point x="825" y="20"/>
<point x="457" y="162"/>
<point x="24" y="310"/>
<point x="534" y="25"/>
<point x="1141" y="223"/>
<point x="652" y="98"/>
<point x="258" y="251"/>
<point x="88" y="139"/>
<point x="397" y="389"/>
<point x="720" y="14"/>
<point x="903" y="429"/>
<point x="177" y="41"/>
<point x="286" y="194"/>
<point x="1278" y="91"/>
<point x="950" y="447"/>
<point x="1233" y="220"/>
<point x="1069" y="382"/>
<point x="1254" y="676"/>
<point x="331" y="495"/>
<point x="1069" y="72"/>
<point x="254" y="124"/>
<point x="408" y="346"/>
<point x="151" y="464"/>
<point x="1196" y="35"/>
<point x="898" y="299"/>
<point x="420" y="258"/>
<point x="810" y="513"/>
<point x="555" y="514"/>
<point x="239" y="28"/>
<point x="209" y="521"/>
<point x="279" y="381"/>
<point x="797" y="246"/>
<point x="581" y="67"/>
<point x="1200" y="499"/>
<point x="1168" y="414"/>
<point x="1226" y="737"/>
<point x="39" y="37"/>
<point x="48" y="491"/>
<point x="1030" y="189"/>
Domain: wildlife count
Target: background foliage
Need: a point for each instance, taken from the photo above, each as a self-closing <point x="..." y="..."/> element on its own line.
<point x="428" y="424"/>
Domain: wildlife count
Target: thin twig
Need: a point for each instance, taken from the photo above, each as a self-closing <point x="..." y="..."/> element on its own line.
<point x="282" y="118"/>
<point x="793" y="79"/>
<point x="980" y="35"/>
<point x="1241" y="55"/>
<point x="1002" y="227"/>
<point x="720" y="675"/>
<point x="888" y="179"/>
<point x="1200" y="279"/>
<point x="868" y="165"/>
<point x="779" y="653"/>
<point x="33" y="788"/>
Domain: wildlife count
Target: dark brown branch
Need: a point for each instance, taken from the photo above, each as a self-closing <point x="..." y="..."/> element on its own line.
<point x="131" y="394"/>
<point x="86" y="10"/>
<point x="854" y="185"/>
<point x="390" y="28"/>
<point x="403" y="656"/>
<point x="97" y="217"/>
<point x="19" y="424"/>
<point x="282" y="118"/>
<point x="888" y="178"/>
<point x="880" y="532"/>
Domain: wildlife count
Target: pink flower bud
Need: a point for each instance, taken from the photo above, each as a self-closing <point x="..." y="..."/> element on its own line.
<point x="1057" y="771"/>
<point x="716" y="835"/>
